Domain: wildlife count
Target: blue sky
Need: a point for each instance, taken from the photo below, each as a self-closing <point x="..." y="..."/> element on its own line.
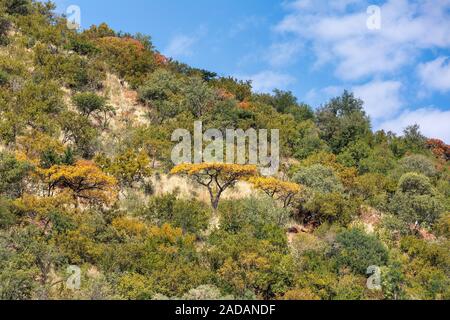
<point x="400" y="65"/>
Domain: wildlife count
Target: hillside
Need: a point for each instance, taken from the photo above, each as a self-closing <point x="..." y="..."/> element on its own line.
<point x="87" y="181"/>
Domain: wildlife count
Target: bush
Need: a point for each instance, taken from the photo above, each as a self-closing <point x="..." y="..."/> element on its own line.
<point x="3" y="78"/>
<point x="128" y="57"/>
<point x="358" y="251"/>
<point x="4" y="27"/>
<point x="350" y="287"/>
<point x="162" y="90"/>
<point x="206" y="292"/>
<point x="190" y="215"/>
<point x="332" y="207"/>
<point x="256" y="212"/>
<point x="443" y="225"/>
<point x="89" y="103"/>
<point x="247" y="267"/>
<point x="12" y="175"/>
<point x="418" y="164"/>
<point x="416" y="200"/>
<point x="319" y="178"/>
<point x="7" y="217"/>
<point x="416" y="184"/>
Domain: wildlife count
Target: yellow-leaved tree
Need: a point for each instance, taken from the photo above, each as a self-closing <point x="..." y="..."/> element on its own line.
<point x="216" y="177"/>
<point x="277" y="189"/>
<point x="85" y="180"/>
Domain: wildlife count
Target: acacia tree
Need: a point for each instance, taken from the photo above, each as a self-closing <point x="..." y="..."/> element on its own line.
<point x="280" y="190"/>
<point x="216" y="177"/>
<point x="86" y="181"/>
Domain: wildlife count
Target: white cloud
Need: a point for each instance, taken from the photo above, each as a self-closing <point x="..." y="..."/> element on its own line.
<point x="180" y="46"/>
<point x="267" y="81"/>
<point x="246" y="23"/>
<point x="436" y="74"/>
<point x="382" y="99"/>
<point x="284" y="53"/>
<point x="340" y="36"/>
<point x="434" y="123"/>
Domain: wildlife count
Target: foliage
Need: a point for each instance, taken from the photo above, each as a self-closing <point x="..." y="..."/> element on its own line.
<point x="191" y="216"/>
<point x="319" y="178"/>
<point x="331" y="207"/>
<point x="12" y="175"/>
<point x="419" y="164"/>
<point x="258" y="215"/>
<point x="277" y="189"/>
<point x="249" y="267"/>
<point x="342" y="121"/>
<point x="88" y="103"/>
<point x="85" y="180"/>
<point x="216" y="177"/>
<point x="128" y="167"/>
<point x="128" y="57"/>
<point x="359" y="251"/>
<point x="416" y="201"/>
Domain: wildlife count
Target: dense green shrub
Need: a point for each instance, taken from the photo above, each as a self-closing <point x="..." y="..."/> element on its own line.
<point x="331" y="207"/>
<point x="5" y="24"/>
<point x="3" y="78"/>
<point x="88" y="103"/>
<point x="416" y="200"/>
<point x="7" y="216"/>
<point x="358" y="251"/>
<point x="319" y="178"/>
<point x="12" y="175"/>
<point x="190" y="215"/>
<point x="342" y="121"/>
<point x="419" y="164"/>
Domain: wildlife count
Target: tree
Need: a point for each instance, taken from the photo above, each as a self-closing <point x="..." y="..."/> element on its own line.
<point x="285" y="102"/>
<point x="416" y="201"/>
<point x="162" y="91"/>
<point x="12" y="175"/>
<point x="319" y="178"/>
<point x="359" y="251"/>
<point x="86" y="181"/>
<point x="216" y="177"/>
<point x="199" y="97"/>
<point x="279" y="190"/>
<point x="89" y="103"/>
<point x="419" y="164"/>
<point x="414" y="140"/>
<point x="20" y="7"/>
<point x="240" y="90"/>
<point x="128" y="167"/>
<point x="258" y="215"/>
<point x="190" y="215"/>
<point x="5" y="24"/>
<point x="342" y="121"/>
<point x="439" y="148"/>
<point x="331" y="207"/>
<point x="128" y="57"/>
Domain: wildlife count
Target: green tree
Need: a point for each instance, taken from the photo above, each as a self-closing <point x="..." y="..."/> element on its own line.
<point x="342" y="121"/>
<point x="12" y="175"/>
<point x="319" y="178"/>
<point x="358" y="251"/>
<point x="416" y="201"/>
<point x="89" y="103"/>
<point x="190" y="215"/>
